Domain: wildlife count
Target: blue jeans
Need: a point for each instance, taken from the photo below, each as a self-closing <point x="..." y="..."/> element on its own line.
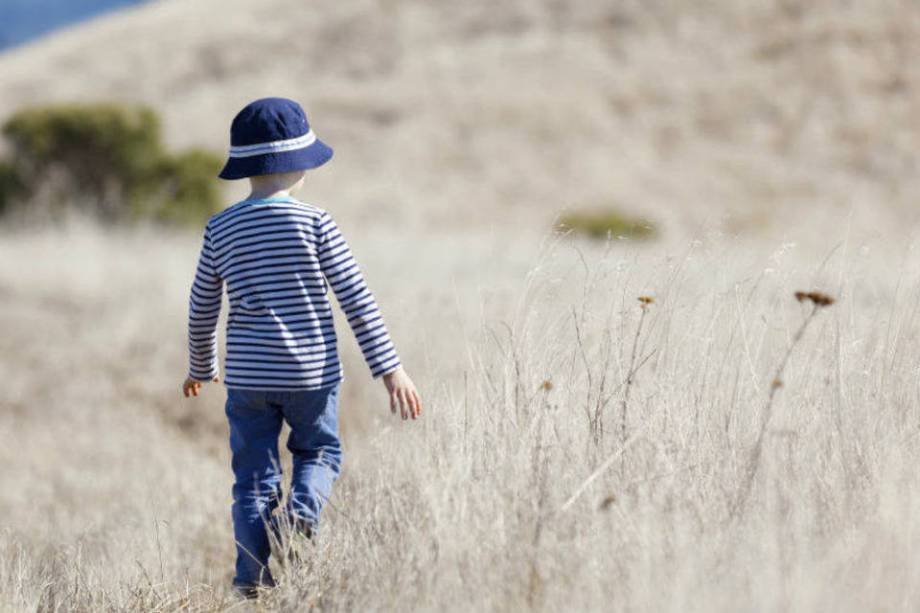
<point x="255" y="419"/>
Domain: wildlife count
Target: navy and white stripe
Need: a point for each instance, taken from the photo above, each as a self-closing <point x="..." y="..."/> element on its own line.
<point x="277" y="258"/>
<point x="278" y="146"/>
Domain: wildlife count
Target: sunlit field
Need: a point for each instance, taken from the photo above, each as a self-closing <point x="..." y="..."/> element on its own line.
<point x="580" y="448"/>
<point x="609" y="425"/>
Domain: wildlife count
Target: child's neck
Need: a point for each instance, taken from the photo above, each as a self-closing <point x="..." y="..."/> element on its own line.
<point x="264" y="194"/>
<point x="278" y="185"/>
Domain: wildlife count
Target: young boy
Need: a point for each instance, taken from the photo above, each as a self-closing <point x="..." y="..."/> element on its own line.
<point x="277" y="257"/>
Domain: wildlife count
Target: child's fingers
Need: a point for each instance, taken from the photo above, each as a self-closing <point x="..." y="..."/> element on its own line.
<point x="403" y="402"/>
<point x="191" y="387"/>
<point x="393" y="402"/>
<point x="418" y="403"/>
<point x="413" y="403"/>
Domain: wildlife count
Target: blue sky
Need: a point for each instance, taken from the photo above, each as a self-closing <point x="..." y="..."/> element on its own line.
<point x="23" y="20"/>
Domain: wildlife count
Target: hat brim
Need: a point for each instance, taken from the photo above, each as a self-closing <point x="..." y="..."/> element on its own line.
<point x="317" y="154"/>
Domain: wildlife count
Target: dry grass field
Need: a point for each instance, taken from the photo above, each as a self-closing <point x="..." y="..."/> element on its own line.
<point x="581" y="450"/>
<point x="516" y="490"/>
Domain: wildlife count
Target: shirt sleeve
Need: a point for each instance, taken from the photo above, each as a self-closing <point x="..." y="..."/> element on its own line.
<point x="341" y="270"/>
<point x="203" y="312"/>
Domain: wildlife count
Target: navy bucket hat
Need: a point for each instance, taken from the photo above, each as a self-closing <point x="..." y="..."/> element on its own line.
<point x="272" y="135"/>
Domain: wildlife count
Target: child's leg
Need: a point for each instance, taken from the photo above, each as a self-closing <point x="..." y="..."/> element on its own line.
<point x="317" y="454"/>
<point x="255" y="424"/>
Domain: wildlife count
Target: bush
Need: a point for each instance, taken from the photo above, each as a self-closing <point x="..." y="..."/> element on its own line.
<point x="111" y="159"/>
<point x="603" y="223"/>
<point x="10" y="185"/>
<point x="188" y="192"/>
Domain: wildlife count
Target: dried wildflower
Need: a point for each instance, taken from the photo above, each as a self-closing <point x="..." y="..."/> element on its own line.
<point x="546" y="386"/>
<point x="646" y="299"/>
<point x="819" y="299"/>
<point x="607" y="502"/>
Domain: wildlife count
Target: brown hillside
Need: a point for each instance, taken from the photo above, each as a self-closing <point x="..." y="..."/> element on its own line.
<point x="474" y="113"/>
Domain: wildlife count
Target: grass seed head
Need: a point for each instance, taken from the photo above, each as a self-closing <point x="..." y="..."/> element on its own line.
<point x="645" y="301"/>
<point x="607" y="502"/>
<point x="547" y="385"/>
<point x="819" y="299"/>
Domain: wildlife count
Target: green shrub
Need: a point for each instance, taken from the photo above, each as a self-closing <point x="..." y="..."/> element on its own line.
<point x="184" y="189"/>
<point x="111" y="158"/>
<point x="11" y="186"/>
<point x="608" y="222"/>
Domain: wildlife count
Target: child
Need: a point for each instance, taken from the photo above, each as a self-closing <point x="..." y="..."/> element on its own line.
<point x="277" y="257"/>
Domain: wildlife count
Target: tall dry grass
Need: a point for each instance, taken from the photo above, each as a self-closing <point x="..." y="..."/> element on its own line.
<point x="568" y="459"/>
<point x="579" y="451"/>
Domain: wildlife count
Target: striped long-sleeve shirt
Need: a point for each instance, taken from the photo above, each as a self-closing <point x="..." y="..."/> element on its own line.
<point x="278" y="257"/>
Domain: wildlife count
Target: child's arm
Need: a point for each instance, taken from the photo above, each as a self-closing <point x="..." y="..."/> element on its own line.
<point x="354" y="297"/>
<point x="203" y="312"/>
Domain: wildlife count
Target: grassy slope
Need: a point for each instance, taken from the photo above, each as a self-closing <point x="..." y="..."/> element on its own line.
<point x="474" y="114"/>
<point x="116" y="493"/>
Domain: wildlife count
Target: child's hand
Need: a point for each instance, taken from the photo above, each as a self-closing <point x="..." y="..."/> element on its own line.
<point x="402" y="392"/>
<point x="193" y="386"/>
